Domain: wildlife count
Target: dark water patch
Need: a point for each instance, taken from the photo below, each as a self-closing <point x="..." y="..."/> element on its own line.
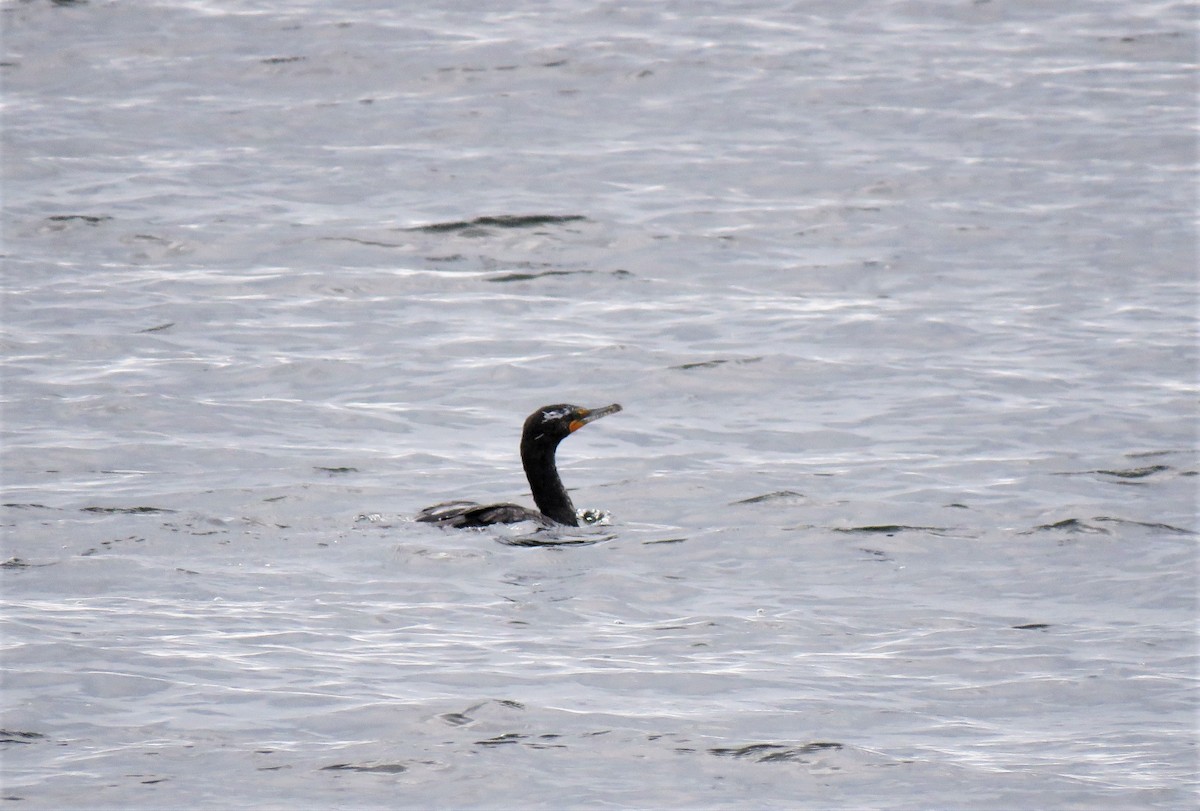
<point x="459" y="719"/>
<point x="712" y="364"/>
<point x="134" y="538"/>
<point x="1032" y="626"/>
<point x="146" y="238"/>
<point x="532" y="542"/>
<point x="107" y="545"/>
<point x="1132" y="38"/>
<point x="526" y="277"/>
<point x="505" y="68"/>
<point x="887" y="529"/>
<point x="376" y="768"/>
<point x="479" y="225"/>
<point x="664" y="540"/>
<point x="21" y="563"/>
<point x="957" y="506"/>
<point x="190" y="528"/>
<point x="128" y="510"/>
<point x="777" y="495"/>
<point x="1132" y="473"/>
<point x="776" y="752"/>
<point x="90" y="219"/>
<point x="876" y="554"/>
<point x="159" y="328"/>
<point x="335" y="470"/>
<point x="18" y="736"/>
<point x="374" y="243"/>
<point x="502" y="740"/>
<point x="17" y="505"/>
<point x="548" y="740"/>
<point x="551" y="540"/>
<point x="1135" y="473"/>
<point x="1072" y="525"/>
<point x="1146" y="524"/>
<point x="282" y="60"/>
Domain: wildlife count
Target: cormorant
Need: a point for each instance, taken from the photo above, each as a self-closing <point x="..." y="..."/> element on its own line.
<point x="543" y="430"/>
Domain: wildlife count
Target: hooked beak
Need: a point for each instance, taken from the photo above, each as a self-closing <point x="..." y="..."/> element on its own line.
<point x="592" y="414"/>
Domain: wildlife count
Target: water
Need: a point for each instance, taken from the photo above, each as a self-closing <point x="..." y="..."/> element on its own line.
<point x="900" y="302"/>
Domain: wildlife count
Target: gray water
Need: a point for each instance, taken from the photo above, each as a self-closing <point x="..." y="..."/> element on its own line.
<point x="899" y="299"/>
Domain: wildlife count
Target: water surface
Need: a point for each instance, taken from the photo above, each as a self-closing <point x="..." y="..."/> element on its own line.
<point x="900" y="303"/>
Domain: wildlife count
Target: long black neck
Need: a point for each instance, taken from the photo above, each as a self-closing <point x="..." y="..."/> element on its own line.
<point x="548" y="491"/>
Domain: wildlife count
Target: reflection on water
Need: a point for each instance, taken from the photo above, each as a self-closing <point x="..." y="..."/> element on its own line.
<point x="898" y="304"/>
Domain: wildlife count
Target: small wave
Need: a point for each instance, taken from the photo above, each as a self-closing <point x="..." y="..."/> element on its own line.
<point x="776" y="752"/>
<point x="127" y="510"/>
<point x="499" y="221"/>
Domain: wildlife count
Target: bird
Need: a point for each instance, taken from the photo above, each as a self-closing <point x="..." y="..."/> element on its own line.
<point x="543" y="430"/>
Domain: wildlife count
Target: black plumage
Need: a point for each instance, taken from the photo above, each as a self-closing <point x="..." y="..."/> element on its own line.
<point x="544" y="430"/>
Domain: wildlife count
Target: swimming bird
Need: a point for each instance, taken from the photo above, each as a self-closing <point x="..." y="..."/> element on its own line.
<point x="543" y="430"/>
